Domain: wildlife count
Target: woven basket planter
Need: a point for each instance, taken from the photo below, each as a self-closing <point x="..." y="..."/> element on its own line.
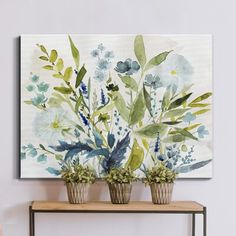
<point x="77" y="192"/>
<point x="161" y="193"/>
<point x="120" y="193"/>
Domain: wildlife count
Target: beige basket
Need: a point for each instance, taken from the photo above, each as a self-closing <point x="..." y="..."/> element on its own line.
<point x="77" y="192"/>
<point x="161" y="193"/>
<point x="120" y="193"/>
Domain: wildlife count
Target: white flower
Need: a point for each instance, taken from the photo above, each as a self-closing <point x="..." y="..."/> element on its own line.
<point x="175" y="70"/>
<point x="52" y="125"/>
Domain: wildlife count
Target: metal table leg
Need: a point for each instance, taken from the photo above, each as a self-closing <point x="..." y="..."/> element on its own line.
<point x="31" y="217"/>
<point x="204" y="221"/>
<point x="193" y="224"/>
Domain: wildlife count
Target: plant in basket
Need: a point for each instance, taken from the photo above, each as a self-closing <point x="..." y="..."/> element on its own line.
<point x="78" y="179"/>
<point x="161" y="181"/>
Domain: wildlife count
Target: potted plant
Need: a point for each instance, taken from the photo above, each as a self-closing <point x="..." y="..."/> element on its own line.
<point x="161" y="181"/>
<point x="78" y="179"/>
<point x="120" y="184"/>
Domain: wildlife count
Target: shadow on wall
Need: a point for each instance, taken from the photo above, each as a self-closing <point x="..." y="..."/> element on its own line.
<point x="16" y="107"/>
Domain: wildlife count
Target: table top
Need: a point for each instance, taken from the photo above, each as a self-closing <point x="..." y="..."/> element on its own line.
<point x="132" y="207"/>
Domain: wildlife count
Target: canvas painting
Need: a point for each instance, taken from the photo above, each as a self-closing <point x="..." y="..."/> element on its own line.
<point x="116" y="100"/>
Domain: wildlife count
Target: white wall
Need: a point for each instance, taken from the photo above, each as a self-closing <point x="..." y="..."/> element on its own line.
<point x="123" y="16"/>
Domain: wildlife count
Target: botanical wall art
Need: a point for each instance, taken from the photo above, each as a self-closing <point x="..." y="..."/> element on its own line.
<point x="116" y="100"/>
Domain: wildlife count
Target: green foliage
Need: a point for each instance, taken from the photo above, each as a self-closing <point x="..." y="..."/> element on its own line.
<point x="63" y="90"/>
<point x="129" y="82"/>
<point x="59" y="65"/>
<point x="175" y="112"/>
<point x="121" y="106"/>
<point x="120" y="175"/>
<point x="157" y="60"/>
<point x="67" y="74"/>
<point x="202" y="97"/>
<point x="159" y="174"/>
<point x="48" y="67"/>
<point x="80" y="76"/>
<point x="180" y="101"/>
<point x="151" y="131"/>
<point x="138" y="109"/>
<point x="75" y="53"/>
<point x="73" y="172"/>
<point x="136" y="156"/>
<point x="147" y="99"/>
<point x="139" y="50"/>
<point x="53" y="56"/>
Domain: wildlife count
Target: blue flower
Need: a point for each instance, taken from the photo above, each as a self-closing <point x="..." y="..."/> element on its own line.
<point x="30" y="87"/>
<point x="202" y="131"/>
<point x="189" y="117"/>
<point x="95" y="53"/>
<point x="175" y="70"/>
<point x="43" y="87"/>
<point x="128" y="66"/>
<point x="99" y="75"/>
<point x="161" y="157"/>
<point x="83" y="88"/>
<point x="42" y="158"/>
<point x="109" y="54"/>
<point x="157" y="144"/>
<point x="152" y="81"/>
<point x="103" y="99"/>
<point x="104" y="64"/>
<point x="39" y="99"/>
<point x="84" y="119"/>
<point x="101" y="47"/>
<point x="34" y="78"/>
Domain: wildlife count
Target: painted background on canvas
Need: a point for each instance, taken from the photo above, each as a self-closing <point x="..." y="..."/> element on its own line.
<point x="112" y="100"/>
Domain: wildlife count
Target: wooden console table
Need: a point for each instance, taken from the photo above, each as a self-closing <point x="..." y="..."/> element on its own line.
<point x="180" y="207"/>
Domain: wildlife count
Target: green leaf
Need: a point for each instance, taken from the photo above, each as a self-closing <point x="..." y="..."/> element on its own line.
<point x="78" y="103"/>
<point x="201" y="111"/>
<point x="151" y="131"/>
<point x="191" y="167"/>
<point x="43" y="58"/>
<point x="138" y="109"/>
<point x="75" y="53"/>
<point x="147" y="99"/>
<point x="68" y="74"/>
<point x="139" y="50"/>
<point x="157" y="60"/>
<point x="48" y="67"/>
<point x="59" y="157"/>
<point x="191" y="127"/>
<point x="28" y="102"/>
<point x="145" y="144"/>
<point x="199" y="104"/>
<point x="171" y="122"/>
<point x="80" y="76"/>
<point x="59" y="65"/>
<point x="121" y="106"/>
<point x="104" y="109"/>
<point x="177" y="138"/>
<point x="202" y="97"/>
<point x="175" y="112"/>
<point x="136" y="157"/>
<point x="185" y="133"/>
<point x="58" y="76"/>
<point x="63" y="90"/>
<point x="53" y="56"/>
<point x="43" y="49"/>
<point x="180" y="101"/>
<point x="129" y="82"/>
<point x="166" y="99"/>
